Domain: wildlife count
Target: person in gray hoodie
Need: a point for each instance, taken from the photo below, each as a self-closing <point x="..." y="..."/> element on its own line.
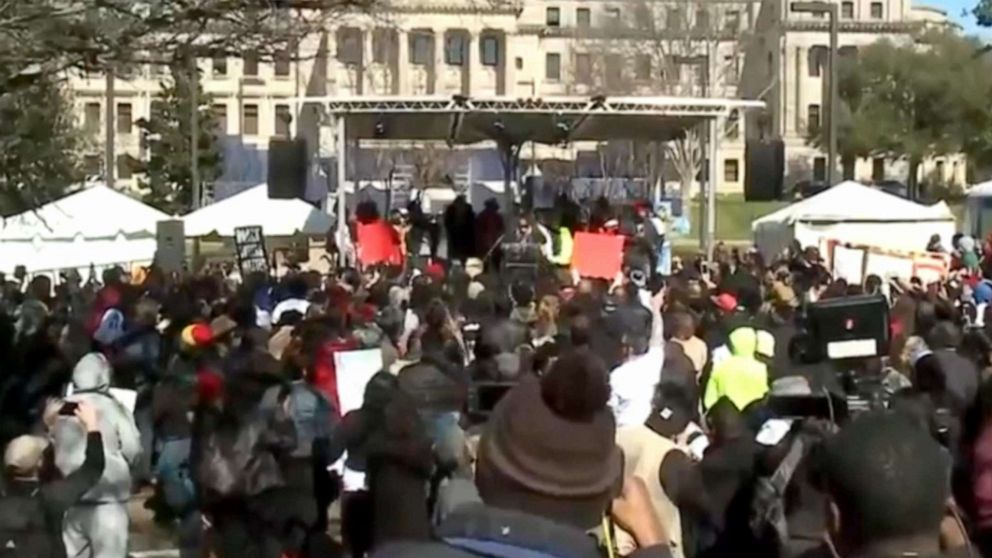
<point x="97" y="525"/>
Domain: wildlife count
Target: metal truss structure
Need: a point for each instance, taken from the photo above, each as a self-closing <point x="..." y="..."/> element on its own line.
<point x="511" y="122"/>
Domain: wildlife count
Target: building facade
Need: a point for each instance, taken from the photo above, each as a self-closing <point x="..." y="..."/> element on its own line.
<point x="724" y="48"/>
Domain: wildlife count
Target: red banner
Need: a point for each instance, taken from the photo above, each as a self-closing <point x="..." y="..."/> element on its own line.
<point x="378" y="242"/>
<point x="597" y="255"/>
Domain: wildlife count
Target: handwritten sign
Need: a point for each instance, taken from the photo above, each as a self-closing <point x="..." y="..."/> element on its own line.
<point x="249" y="247"/>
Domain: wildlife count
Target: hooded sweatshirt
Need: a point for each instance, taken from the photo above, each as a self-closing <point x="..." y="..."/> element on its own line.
<point x="740" y="377"/>
<point x="121" y="442"/>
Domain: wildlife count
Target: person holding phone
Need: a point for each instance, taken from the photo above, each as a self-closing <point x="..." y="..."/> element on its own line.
<point x="31" y="510"/>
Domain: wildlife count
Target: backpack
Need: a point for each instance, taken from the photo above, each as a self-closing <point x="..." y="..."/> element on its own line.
<point x="767" y="513"/>
<point x="312" y="415"/>
<point x="23" y="527"/>
<point x="233" y="461"/>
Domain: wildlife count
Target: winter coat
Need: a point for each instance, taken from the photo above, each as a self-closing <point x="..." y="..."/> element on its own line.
<point x="121" y="441"/>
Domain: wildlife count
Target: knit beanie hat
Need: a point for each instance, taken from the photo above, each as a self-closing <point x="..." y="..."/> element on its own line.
<point x="533" y="460"/>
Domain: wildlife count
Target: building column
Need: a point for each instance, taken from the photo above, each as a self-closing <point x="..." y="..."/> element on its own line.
<point x="403" y="61"/>
<point x="474" y="67"/>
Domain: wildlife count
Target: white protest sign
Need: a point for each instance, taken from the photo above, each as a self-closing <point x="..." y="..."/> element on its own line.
<point x="354" y="369"/>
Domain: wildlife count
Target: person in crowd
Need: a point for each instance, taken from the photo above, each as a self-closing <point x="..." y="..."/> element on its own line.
<point x="888" y="489"/>
<point x="741" y="378"/>
<point x="631" y="384"/>
<point x="97" y="524"/>
<point x="684" y="334"/>
<point x="548" y="448"/>
<point x="652" y="453"/>
<point x="459" y="225"/>
<point x="32" y="507"/>
<point x="728" y="469"/>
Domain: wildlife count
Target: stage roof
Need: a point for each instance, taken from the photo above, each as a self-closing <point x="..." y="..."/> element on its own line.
<point x="548" y="120"/>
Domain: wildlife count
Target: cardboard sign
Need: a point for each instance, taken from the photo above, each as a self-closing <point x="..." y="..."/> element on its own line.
<point x="170" y="251"/>
<point x="249" y="247"/>
<point x="378" y="243"/>
<point x="354" y="369"/>
<point x="599" y="256"/>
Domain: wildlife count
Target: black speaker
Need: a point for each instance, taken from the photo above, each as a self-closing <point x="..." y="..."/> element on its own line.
<point x="287" y="173"/>
<point x="764" y="169"/>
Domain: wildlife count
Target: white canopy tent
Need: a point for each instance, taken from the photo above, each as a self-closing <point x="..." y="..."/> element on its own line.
<point x="97" y="226"/>
<point x="277" y="217"/>
<point x="978" y="210"/>
<point x="852" y="212"/>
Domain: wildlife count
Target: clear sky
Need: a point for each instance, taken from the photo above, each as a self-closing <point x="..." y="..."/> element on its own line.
<point x="960" y="11"/>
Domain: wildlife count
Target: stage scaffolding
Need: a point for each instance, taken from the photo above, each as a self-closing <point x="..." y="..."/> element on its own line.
<point x="512" y="122"/>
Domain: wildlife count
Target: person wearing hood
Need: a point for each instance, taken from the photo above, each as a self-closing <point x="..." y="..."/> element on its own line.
<point x="740" y="377"/>
<point x="97" y="525"/>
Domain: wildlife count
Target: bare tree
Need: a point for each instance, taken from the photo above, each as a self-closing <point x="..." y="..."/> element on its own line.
<point x="677" y="48"/>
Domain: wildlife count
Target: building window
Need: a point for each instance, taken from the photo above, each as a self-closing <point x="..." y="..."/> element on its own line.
<point x="939" y="171"/>
<point x="583" y="68"/>
<point x="813" y="118"/>
<point x="613" y="64"/>
<point x="382" y="41"/>
<point x="731" y="170"/>
<point x="552" y="17"/>
<point x="816" y="59"/>
<point x="91" y="165"/>
<point x="349" y="45"/>
<point x="490" y="51"/>
<point x="283" y="119"/>
<point x="552" y="66"/>
<point x="219" y="66"/>
<point x="847" y="10"/>
<point x="250" y="125"/>
<point x="673" y="19"/>
<point x="454" y="49"/>
<point x="644" y="17"/>
<point x="91" y="118"/>
<point x="583" y="18"/>
<point x="876" y="10"/>
<point x="731" y="69"/>
<point x="219" y="112"/>
<point x="421" y="48"/>
<point x="878" y="169"/>
<point x="519" y="63"/>
<point x="732" y="127"/>
<point x="124" y="118"/>
<point x="612" y="15"/>
<point x="732" y="21"/>
<point x="820" y="169"/>
<point x="642" y="67"/>
<point x="702" y="19"/>
<point x="250" y="60"/>
<point x="124" y="170"/>
<point x="847" y="52"/>
<point x="282" y="63"/>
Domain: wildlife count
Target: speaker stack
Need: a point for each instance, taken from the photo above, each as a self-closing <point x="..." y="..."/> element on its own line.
<point x="764" y="169"/>
<point x="287" y="172"/>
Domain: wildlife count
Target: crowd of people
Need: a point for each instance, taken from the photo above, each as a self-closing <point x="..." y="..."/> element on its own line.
<point x="524" y="413"/>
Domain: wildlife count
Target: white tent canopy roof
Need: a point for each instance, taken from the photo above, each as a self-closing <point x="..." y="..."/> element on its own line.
<point x="95" y="212"/>
<point x="277" y="217"/>
<point x="853" y="202"/>
<point x="980" y="190"/>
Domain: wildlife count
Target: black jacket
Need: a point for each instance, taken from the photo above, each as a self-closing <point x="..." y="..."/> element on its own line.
<point x="38" y="507"/>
